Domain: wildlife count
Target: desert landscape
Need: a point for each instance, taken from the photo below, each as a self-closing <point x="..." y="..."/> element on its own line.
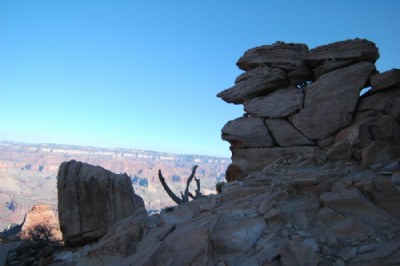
<point x="28" y="174"/>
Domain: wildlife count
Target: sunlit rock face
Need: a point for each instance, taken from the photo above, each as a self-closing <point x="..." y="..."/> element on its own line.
<point x="90" y="199"/>
<point x="304" y="105"/>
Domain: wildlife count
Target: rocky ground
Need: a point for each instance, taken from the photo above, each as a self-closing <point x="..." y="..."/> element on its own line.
<point x="286" y="214"/>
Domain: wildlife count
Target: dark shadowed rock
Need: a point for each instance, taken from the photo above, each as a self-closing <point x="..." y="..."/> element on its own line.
<point x="255" y="159"/>
<point x="256" y="82"/>
<point x="90" y="199"/>
<point x="287" y="56"/>
<point x="356" y="49"/>
<point x="387" y="103"/>
<point x="280" y="103"/>
<point x="285" y="134"/>
<point x="247" y="132"/>
<point x="385" y="81"/>
<point x="330" y="101"/>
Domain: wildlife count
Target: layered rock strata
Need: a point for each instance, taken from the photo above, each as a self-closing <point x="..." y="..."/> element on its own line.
<point x="90" y="199"/>
<point x="301" y="104"/>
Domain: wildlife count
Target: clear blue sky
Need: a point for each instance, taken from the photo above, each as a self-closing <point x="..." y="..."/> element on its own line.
<point x="144" y="74"/>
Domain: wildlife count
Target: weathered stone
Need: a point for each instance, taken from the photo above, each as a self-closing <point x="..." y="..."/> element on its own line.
<point x="90" y="199"/>
<point x="340" y="151"/>
<point x="235" y="235"/>
<point x="41" y="222"/>
<point x="298" y="253"/>
<point x="385" y="128"/>
<point x="256" y="82"/>
<point x="387" y="102"/>
<point x="288" y="56"/>
<point x="254" y="159"/>
<point x="247" y="132"/>
<point x="356" y="49"/>
<point x="331" y="100"/>
<point x="380" y="253"/>
<point x="379" y="152"/>
<point x="330" y="65"/>
<point x="385" y="81"/>
<point x="285" y="134"/>
<point x="351" y="203"/>
<point x="300" y="76"/>
<point x="280" y="103"/>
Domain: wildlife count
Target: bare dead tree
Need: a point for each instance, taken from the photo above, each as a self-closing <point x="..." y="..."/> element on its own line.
<point x="184" y="196"/>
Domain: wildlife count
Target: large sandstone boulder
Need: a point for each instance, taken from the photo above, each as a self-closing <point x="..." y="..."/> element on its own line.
<point x="330" y="101"/>
<point x="90" y="199"/>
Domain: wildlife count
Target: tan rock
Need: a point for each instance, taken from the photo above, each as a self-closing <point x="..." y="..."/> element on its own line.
<point x="247" y="132"/>
<point x="285" y="135"/>
<point x="257" y="82"/>
<point x="280" y="103"/>
<point x="330" y="101"/>
<point x="41" y="222"/>
<point x="356" y="49"/>
<point x="90" y="199"/>
<point x="385" y="81"/>
<point x="287" y="56"/>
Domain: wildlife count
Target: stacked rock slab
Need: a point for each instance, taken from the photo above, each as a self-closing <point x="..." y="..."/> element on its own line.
<point x="90" y="199"/>
<point x="301" y="104"/>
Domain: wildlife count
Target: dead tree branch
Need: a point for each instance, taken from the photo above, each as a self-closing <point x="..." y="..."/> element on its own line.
<point x="184" y="196"/>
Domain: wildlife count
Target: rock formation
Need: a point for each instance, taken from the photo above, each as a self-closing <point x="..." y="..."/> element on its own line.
<point x="90" y="199"/>
<point x="41" y="222"/>
<point x="284" y="216"/>
<point x="303" y="104"/>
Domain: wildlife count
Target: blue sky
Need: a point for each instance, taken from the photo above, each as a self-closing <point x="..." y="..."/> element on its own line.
<point x="145" y="74"/>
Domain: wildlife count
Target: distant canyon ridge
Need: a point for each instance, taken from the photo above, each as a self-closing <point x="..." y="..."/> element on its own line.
<point x="28" y="174"/>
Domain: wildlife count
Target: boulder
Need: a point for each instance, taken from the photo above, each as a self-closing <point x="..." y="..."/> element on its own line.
<point x="356" y="50"/>
<point x="287" y="56"/>
<point x="379" y="152"/>
<point x="90" y="199"/>
<point x="280" y="103"/>
<point x="256" y="82"/>
<point x="285" y="134"/>
<point x="385" y="81"/>
<point x="330" y="101"/>
<point x="247" y="132"/>
<point x="41" y="223"/>
<point x="385" y="128"/>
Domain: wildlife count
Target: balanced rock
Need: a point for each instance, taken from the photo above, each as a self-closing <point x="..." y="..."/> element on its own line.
<point x="90" y="199"/>
<point x="330" y="101"/>
<point x="256" y="82"/>
<point x="287" y="56"/>
<point x="356" y="50"/>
